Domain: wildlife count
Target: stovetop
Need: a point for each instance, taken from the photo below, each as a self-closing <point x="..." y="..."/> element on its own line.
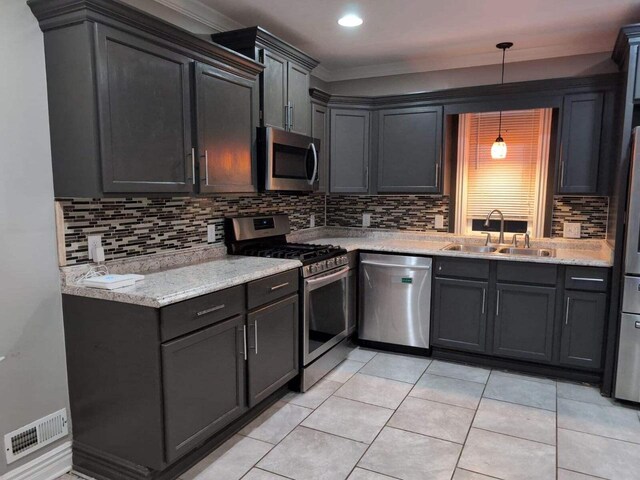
<point x="305" y="252"/>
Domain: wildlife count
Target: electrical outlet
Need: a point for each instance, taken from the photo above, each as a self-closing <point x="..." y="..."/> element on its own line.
<point x="312" y="220"/>
<point x="439" y="221"/>
<point x="93" y="241"/>
<point x="571" y="230"/>
<point x="366" y="220"/>
<point x="211" y="233"/>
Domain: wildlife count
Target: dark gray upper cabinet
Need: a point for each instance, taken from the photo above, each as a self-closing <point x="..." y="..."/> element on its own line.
<point x="350" y="151"/>
<point x="273" y="347"/>
<point x="227" y="108"/>
<point x="410" y="150"/>
<point x="457" y="324"/>
<point x="299" y="100"/>
<point x="523" y="322"/>
<point x="120" y="88"/>
<point x="144" y="104"/>
<point x="203" y="383"/>
<point x="320" y="130"/>
<point x="583" y="329"/>
<point x="274" y="90"/>
<point x="285" y="102"/>
<point x="580" y="143"/>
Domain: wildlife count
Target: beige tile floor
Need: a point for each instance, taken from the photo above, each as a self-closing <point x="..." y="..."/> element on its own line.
<point x="384" y="416"/>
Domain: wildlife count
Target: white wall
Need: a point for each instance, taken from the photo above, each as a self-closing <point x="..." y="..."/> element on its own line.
<point x="576" y="66"/>
<point x="33" y="379"/>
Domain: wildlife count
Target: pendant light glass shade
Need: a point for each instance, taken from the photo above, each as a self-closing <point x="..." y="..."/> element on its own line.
<point x="499" y="149"/>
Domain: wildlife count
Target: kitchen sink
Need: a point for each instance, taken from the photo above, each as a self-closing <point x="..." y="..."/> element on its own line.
<point x="530" y="252"/>
<point x="470" y="248"/>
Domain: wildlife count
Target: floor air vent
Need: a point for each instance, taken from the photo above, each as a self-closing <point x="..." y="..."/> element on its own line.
<point x="31" y="437"/>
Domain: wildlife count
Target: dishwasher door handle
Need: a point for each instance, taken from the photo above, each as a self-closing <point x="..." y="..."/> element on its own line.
<point x="395" y="265"/>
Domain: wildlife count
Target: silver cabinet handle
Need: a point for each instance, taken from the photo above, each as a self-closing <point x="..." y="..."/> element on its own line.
<point x="290" y="116"/>
<point x="210" y="310"/>
<point x="244" y="339"/>
<point x="498" y="303"/>
<point x="566" y="315"/>
<point x="206" y="167"/>
<point x="587" y="279"/>
<point x="437" y="174"/>
<point x="193" y="164"/>
<point x="278" y="287"/>
<point x="286" y="116"/>
<point x="484" y="298"/>
<point x="562" y="173"/>
<point x="255" y="334"/>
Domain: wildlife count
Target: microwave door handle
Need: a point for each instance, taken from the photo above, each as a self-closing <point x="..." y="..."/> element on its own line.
<point x="315" y="164"/>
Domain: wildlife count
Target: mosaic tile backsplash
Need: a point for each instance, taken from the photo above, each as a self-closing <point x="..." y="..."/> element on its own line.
<point x="401" y="212"/>
<point x="139" y="226"/>
<point x="591" y="212"/>
<point x="142" y="226"/>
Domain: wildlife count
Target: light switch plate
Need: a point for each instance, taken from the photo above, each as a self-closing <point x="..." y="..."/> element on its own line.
<point x="93" y="241"/>
<point x="439" y="221"/>
<point x="366" y="220"/>
<point x="571" y="230"/>
<point x="312" y="220"/>
<point x="211" y="233"/>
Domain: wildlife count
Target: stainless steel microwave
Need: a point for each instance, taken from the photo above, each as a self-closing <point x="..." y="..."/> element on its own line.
<point x="287" y="161"/>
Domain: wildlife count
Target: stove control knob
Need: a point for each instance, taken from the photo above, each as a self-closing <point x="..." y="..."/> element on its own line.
<point x="313" y="269"/>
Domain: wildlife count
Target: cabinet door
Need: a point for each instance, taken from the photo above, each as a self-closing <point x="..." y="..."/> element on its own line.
<point x="144" y="104"/>
<point x="349" y="151"/>
<point x="583" y="329"/>
<point x="299" y="100"/>
<point x="273" y="347"/>
<point x="523" y="325"/>
<point x="204" y="384"/>
<point x="409" y="152"/>
<point x="319" y="130"/>
<point x="274" y="90"/>
<point x="460" y="314"/>
<point x="580" y="143"/>
<point x="227" y="114"/>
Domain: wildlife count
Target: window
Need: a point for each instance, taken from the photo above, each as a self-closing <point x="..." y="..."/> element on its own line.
<point x="515" y="185"/>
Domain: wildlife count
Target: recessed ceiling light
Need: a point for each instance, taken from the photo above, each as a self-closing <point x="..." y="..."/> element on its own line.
<point x="350" y="20"/>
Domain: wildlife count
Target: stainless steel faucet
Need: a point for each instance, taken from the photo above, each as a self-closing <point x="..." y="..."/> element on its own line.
<point x="486" y="224"/>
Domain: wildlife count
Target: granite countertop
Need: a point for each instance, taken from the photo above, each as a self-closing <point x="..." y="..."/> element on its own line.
<point x="172" y="285"/>
<point x="591" y="253"/>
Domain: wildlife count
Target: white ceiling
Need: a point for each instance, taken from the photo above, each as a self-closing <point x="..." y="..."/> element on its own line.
<point x="403" y="36"/>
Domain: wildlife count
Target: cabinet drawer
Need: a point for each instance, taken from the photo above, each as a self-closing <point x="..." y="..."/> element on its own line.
<point x="587" y="278"/>
<point x="266" y="290"/>
<point x="190" y="315"/>
<point x="462" y="267"/>
<point x="532" y="273"/>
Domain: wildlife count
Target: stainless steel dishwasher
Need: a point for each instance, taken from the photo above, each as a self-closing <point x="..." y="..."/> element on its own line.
<point x="395" y="299"/>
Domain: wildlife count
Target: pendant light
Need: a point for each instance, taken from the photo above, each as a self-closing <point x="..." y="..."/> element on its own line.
<point x="499" y="147"/>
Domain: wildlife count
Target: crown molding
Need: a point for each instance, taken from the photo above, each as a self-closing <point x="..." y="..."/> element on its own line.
<point x="198" y="11"/>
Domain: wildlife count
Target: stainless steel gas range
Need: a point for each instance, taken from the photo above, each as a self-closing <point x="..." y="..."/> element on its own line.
<point x="324" y="279"/>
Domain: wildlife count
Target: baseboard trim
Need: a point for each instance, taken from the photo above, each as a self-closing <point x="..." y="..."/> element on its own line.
<point x="47" y="466"/>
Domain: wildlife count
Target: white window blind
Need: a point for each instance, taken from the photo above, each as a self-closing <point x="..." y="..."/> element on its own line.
<point x="509" y="184"/>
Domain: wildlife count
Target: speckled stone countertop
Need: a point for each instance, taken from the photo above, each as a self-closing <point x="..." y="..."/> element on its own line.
<point x="592" y="253"/>
<point x="172" y="285"/>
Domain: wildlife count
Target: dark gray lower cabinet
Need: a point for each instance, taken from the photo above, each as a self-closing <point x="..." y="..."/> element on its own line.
<point x="227" y="109"/>
<point x="460" y="314"/>
<point x="204" y="384"/>
<point x="273" y="347"/>
<point x="583" y="329"/>
<point x="523" y="322"/>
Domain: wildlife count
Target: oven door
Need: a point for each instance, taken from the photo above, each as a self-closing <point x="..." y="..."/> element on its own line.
<point x="290" y="161"/>
<point x="325" y="314"/>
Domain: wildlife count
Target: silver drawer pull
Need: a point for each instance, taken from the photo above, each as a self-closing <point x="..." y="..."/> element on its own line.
<point x="244" y="340"/>
<point x="587" y="279"/>
<point x="637" y="324"/>
<point x="210" y="310"/>
<point x="278" y="287"/>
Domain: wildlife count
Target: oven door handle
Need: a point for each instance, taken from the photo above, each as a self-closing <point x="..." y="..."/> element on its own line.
<point x="322" y="280"/>
<point x="312" y="147"/>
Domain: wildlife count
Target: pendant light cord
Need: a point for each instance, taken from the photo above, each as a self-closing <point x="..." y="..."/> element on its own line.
<point x="504" y="51"/>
